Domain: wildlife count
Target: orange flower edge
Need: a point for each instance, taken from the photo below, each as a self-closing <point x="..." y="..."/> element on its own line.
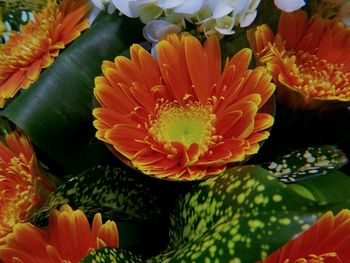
<point x="181" y="117"/>
<point x="69" y="238"/>
<point x="26" y="53"/>
<point x="22" y="183"/>
<point x="308" y="58"/>
<point x="328" y="240"/>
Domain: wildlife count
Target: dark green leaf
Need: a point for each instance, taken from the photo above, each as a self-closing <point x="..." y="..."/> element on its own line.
<point x="329" y="189"/>
<point x="23" y="4"/>
<point x="241" y="216"/>
<point x="305" y="164"/>
<point x="117" y="193"/>
<point x="56" y="110"/>
<point x="112" y="255"/>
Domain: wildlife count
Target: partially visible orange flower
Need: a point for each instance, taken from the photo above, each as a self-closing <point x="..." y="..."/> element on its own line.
<point x="27" y="52"/>
<point x="328" y="240"/>
<point x="69" y="238"/>
<point x="308" y="58"/>
<point x="179" y="117"/>
<point x="22" y="184"/>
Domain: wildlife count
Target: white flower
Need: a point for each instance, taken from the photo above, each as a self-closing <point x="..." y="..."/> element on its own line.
<point x="229" y="14"/>
<point x="189" y="7"/>
<point x="289" y="5"/>
<point x="224" y="7"/>
<point x="211" y="16"/>
<point x="155" y="30"/>
<point x="98" y="6"/>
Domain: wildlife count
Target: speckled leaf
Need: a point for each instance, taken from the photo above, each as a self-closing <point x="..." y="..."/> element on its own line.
<point x="112" y="255"/>
<point x="327" y="189"/>
<point x="23" y="4"/>
<point x="118" y="193"/>
<point x="239" y="217"/>
<point x="305" y="164"/>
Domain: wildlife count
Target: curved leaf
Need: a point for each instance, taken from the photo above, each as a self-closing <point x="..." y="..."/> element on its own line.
<point x="112" y="255"/>
<point x="117" y="193"/>
<point x="56" y="110"/>
<point x="331" y="189"/>
<point x="241" y="216"/>
<point x="305" y="164"/>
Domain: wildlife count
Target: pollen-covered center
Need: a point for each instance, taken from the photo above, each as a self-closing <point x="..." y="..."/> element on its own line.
<point x="189" y="124"/>
<point x="318" y="78"/>
<point x="31" y="43"/>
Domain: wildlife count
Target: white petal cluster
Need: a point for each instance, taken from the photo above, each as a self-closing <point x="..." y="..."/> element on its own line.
<point x="289" y="5"/>
<point x="219" y="17"/>
<point x="98" y="6"/>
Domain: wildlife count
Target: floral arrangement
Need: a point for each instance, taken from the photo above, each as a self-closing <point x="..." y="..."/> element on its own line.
<point x="200" y="131"/>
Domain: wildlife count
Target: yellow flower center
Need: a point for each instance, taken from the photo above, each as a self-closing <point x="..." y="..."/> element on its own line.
<point x="189" y="124"/>
<point x="318" y="78"/>
<point x="17" y="194"/>
<point x="30" y="44"/>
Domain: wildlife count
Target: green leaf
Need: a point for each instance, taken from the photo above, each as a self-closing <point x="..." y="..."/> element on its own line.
<point x="241" y="216"/>
<point x="329" y="189"/>
<point x="117" y="193"/>
<point x="112" y="255"/>
<point x="305" y="164"/>
<point x="56" y="110"/>
<point x="23" y="4"/>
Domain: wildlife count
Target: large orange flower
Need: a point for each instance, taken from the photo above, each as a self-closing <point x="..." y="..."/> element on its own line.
<point x="309" y="58"/>
<point x="179" y="117"/>
<point x="22" y="184"/>
<point x="328" y="240"/>
<point x="27" y="52"/>
<point x="69" y="238"/>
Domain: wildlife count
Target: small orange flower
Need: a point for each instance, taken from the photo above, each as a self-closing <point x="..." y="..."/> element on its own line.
<point x="22" y="184"/>
<point x="27" y="52"/>
<point x="309" y="58"/>
<point x="179" y="117"/>
<point x="328" y="240"/>
<point x="69" y="238"/>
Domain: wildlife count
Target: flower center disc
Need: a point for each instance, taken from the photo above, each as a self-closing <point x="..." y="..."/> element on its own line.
<point x="189" y="124"/>
<point x="320" y="78"/>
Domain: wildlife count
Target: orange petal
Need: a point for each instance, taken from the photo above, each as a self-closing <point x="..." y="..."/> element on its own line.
<point x="147" y="64"/>
<point x="292" y="27"/>
<point x="126" y="139"/>
<point x="113" y="97"/>
<point x="143" y="96"/>
<point x="197" y="65"/>
<point x="34" y="70"/>
<point x="109" y="234"/>
<point x="241" y="61"/>
<point x="245" y="125"/>
<point x="259" y="39"/>
<point x="12" y="85"/>
<point x="213" y="54"/>
<point x="168" y="58"/>
<point x="262" y="121"/>
<point x="228" y="121"/>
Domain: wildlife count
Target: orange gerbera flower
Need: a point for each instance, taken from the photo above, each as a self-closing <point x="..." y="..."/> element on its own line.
<point x="328" y="240"/>
<point x="27" y="52"/>
<point x="309" y="58"/>
<point x="179" y="117"/>
<point x="69" y="238"/>
<point x="22" y="184"/>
